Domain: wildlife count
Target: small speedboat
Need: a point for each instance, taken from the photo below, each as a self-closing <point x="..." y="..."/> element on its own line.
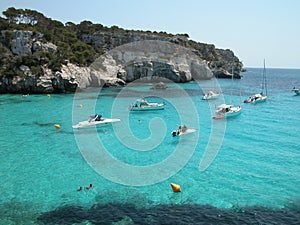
<point x="182" y="130"/>
<point x="256" y="98"/>
<point x="226" y="111"/>
<point x="90" y="123"/>
<point x="296" y="91"/>
<point x="143" y="105"/>
<point x="210" y="95"/>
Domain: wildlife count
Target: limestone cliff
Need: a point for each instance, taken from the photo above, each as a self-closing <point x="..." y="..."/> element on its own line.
<point x="220" y="61"/>
<point x="128" y="57"/>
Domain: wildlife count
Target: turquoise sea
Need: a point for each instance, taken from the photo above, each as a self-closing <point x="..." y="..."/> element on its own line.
<point x="243" y="170"/>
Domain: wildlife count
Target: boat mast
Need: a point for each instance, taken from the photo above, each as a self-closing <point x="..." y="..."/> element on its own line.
<point x="231" y="84"/>
<point x="264" y="82"/>
<point x="265" y="72"/>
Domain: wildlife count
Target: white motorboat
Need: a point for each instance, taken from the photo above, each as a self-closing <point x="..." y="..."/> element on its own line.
<point x="296" y="91"/>
<point x="226" y="111"/>
<point x="256" y="98"/>
<point x="143" y="105"/>
<point x="183" y="130"/>
<point x="210" y="95"/>
<point x="92" y="122"/>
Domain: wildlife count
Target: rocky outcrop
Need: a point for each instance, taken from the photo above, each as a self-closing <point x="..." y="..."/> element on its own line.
<point x="23" y="41"/>
<point x="43" y="47"/>
<point x="220" y="61"/>
<point x="111" y="40"/>
<point x="156" y="60"/>
<point x="129" y="57"/>
<point x="68" y="80"/>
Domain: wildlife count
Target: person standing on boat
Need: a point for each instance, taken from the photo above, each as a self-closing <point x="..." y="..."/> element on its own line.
<point x="95" y="118"/>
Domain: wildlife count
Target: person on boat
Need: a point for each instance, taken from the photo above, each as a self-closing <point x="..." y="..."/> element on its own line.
<point x="223" y="110"/>
<point x="98" y="117"/>
<point x="179" y="129"/>
<point x="182" y="129"/>
<point x="95" y="118"/>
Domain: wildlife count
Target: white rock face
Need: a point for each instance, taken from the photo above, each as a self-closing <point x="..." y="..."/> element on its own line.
<point x="140" y="60"/>
<point x="83" y="77"/>
<point x="43" y="47"/>
<point x="21" y="42"/>
<point x="159" y="59"/>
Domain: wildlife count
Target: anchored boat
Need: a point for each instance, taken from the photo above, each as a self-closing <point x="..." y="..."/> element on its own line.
<point x="143" y="105"/>
<point x="96" y="120"/>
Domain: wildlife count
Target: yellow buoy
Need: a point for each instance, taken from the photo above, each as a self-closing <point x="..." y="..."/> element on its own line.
<point x="175" y="187"/>
<point x="80" y="105"/>
<point x="57" y="126"/>
<point x="48" y="95"/>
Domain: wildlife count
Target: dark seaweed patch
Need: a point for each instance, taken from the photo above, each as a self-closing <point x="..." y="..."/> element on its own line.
<point x="170" y="214"/>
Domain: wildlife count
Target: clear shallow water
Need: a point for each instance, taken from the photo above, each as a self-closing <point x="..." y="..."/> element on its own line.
<point x="256" y="166"/>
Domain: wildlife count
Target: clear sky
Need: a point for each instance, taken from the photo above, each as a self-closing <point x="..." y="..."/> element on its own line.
<point x="253" y="29"/>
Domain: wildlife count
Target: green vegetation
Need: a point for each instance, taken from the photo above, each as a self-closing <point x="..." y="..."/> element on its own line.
<point x="67" y="37"/>
<point x="72" y="42"/>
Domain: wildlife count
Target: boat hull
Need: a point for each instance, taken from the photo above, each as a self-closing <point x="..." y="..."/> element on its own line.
<point x="258" y="100"/>
<point x="210" y="96"/>
<point x="188" y="131"/>
<point x="104" y="122"/>
<point x="233" y="112"/>
<point x="148" y="108"/>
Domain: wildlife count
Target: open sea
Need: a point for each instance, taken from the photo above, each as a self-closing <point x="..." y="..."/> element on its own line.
<point x="243" y="170"/>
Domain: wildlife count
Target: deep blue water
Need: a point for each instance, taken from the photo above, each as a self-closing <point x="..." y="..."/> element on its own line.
<point x="243" y="170"/>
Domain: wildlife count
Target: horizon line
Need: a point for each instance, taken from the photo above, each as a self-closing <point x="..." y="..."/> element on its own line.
<point x="289" y="68"/>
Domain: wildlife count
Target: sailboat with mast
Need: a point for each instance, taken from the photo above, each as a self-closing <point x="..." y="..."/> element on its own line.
<point x="262" y="96"/>
<point x="228" y="110"/>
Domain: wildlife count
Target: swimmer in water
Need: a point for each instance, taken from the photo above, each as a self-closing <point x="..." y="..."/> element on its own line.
<point x="89" y="187"/>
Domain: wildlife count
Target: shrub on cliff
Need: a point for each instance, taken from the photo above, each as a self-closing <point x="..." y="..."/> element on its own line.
<point x="70" y="47"/>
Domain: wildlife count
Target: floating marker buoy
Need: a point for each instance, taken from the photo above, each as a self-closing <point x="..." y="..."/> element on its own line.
<point x="57" y="126"/>
<point x="80" y="105"/>
<point x="48" y="95"/>
<point x="175" y="187"/>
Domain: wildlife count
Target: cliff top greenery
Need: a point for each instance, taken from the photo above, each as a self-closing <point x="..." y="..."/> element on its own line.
<point x="67" y="37"/>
